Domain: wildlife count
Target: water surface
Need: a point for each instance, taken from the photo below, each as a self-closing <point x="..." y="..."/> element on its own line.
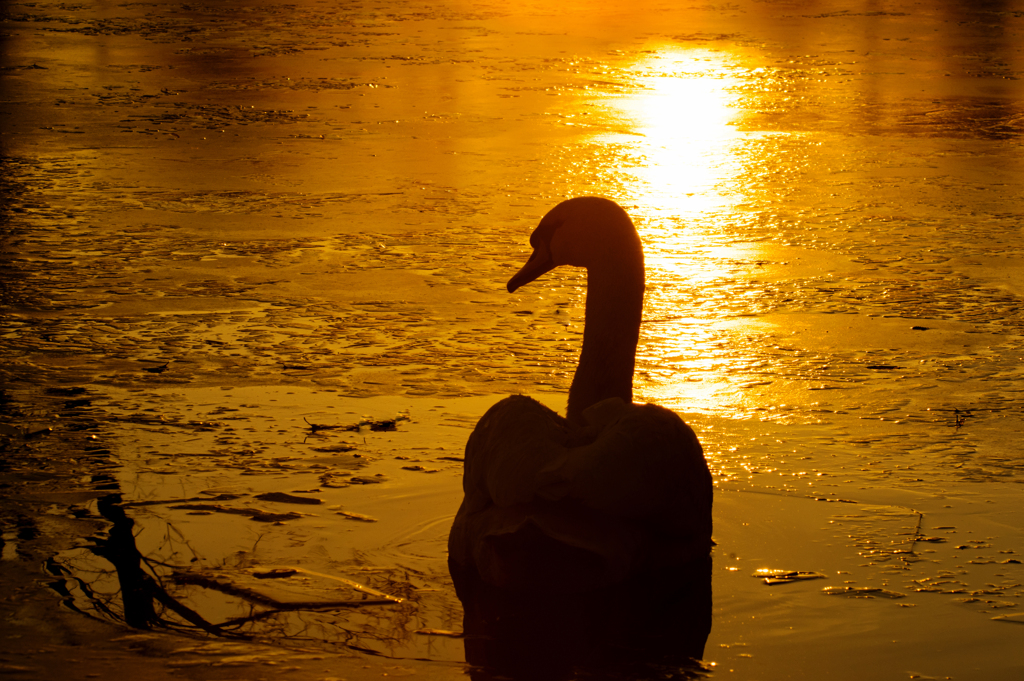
<point x="306" y="213"/>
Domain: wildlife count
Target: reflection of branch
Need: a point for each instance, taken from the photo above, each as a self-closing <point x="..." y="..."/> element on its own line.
<point x="119" y="548"/>
<point x="255" y="514"/>
<point x="257" y="543"/>
<point x="159" y="421"/>
<point x="917" y="533"/>
<point x="157" y="502"/>
<point x="151" y="594"/>
<point x="255" y="617"/>
<point x="254" y="596"/>
<point x="314" y="427"/>
<point x="56" y="569"/>
<point x="292" y="607"/>
<point x="138" y="588"/>
<point x="186" y="613"/>
<point x="375" y="425"/>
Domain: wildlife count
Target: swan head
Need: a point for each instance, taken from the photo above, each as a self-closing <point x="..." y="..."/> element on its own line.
<point x="583" y="232"/>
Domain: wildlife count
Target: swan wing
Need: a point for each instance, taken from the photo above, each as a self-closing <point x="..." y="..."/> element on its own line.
<point x="553" y="507"/>
<point x="516" y="439"/>
<point x="644" y="463"/>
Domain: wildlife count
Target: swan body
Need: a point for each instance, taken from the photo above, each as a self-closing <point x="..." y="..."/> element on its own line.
<point x="614" y="490"/>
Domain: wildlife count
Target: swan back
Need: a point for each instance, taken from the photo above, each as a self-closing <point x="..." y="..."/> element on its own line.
<point x="552" y="508"/>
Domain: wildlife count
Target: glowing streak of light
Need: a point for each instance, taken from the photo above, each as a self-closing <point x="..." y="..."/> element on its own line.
<point x="681" y="123"/>
<point x="683" y="115"/>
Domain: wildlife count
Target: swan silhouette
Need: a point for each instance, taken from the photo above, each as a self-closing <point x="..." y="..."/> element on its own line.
<point x="615" y="490"/>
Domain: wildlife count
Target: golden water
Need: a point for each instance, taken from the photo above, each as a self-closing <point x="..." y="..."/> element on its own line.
<point x="319" y="204"/>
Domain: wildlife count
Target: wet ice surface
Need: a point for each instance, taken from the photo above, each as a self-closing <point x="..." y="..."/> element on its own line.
<point x="317" y="207"/>
<point x="223" y="492"/>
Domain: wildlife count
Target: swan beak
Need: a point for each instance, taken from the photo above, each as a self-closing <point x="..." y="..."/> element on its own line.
<point x="539" y="263"/>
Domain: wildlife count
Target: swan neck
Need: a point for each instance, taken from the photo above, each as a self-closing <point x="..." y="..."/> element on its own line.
<point x="615" y="297"/>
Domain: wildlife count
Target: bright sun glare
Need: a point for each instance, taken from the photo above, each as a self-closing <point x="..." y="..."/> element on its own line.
<point x="684" y="114"/>
<point x="681" y="124"/>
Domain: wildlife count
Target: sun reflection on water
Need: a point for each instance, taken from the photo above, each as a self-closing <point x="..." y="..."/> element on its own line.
<point x="682" y="117"/>
<point x="683" y="113"/>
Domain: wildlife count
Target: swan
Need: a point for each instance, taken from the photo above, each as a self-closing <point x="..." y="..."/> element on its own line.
<point x="612" y="492"/>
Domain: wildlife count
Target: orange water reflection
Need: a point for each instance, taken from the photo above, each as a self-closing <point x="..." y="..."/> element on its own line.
<point x="682" y="118"/>
<point x="683" y="114"/>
